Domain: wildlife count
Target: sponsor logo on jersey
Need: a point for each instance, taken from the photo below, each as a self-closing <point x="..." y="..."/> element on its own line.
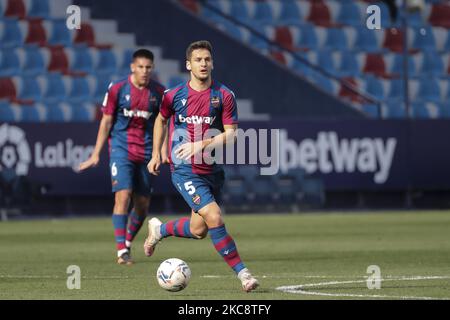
<point x="196" y="199"/>
<point x="215" y="102"/>
<point x="196" y="119"/>
<point x="137" y="114"/>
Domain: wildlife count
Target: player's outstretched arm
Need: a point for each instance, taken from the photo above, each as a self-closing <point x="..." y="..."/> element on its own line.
<point x="102" y="136"/>
<point x="159" y="134"/>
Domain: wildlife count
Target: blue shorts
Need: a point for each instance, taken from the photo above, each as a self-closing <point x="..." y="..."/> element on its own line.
<point x="127" y="174"/>
<point x="198" y="190"/>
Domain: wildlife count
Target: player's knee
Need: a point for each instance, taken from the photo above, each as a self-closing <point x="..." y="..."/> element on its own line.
<point x="199" y="233"/>
<point x="122" y="198"/>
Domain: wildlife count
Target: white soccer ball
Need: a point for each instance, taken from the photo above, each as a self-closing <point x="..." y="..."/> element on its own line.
<point x="173" y="274"/>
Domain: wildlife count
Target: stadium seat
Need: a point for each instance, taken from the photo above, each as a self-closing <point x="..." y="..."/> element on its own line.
<point x="366" y="40"/>
<point x="319" y="13"/>
<point x="301" y="67"/>
<point x="444" y="109"/>
<point x="174" y="81"/>
<point x="415" y="19"/>
<point x="396" y="69"/>
<point x="393" y="39"/>
<point x="284" y="38"/>
<point x="39" y="8"/>
<point x="429" y="90"/>
<point x="59" y="34"/>
<point x="211" y="15"/>
<point x="58" y="112"/>
<point x="256" y="41"/>
<point x="79" y="91"/>
<point x="432" y="64"/>
<point x="28" y="88"/>
<point x="233" y="30"/>
<point x="424" y="39"/>
<point x="325" y="61"/>
<point x="239" y="11"/>
<point x="81" y="113"/>
<point x="81" y="60"/>
<point x="394" y="109"/>
<point x="107" y="63"/>
<point x="263" y="13"/>
<point x="346" y="92"/>
<point x="11" y="36"/>
<point x="85" y="35"/>
<point x="349" y="65"/>
<point x="323" y="82"/>
<point x="55" y="90"/>
<point x="290" y="14"/>
<point x="6" y="112"/>
<point x="15" y="8"/>
<point x="36" y="32"/>
<point x="30" y="113"/>
<point x="7" y="89"/>
<point x="313" y="192"/>
<point x="349" y="14"/>
<point x="58" y="60"/>
<point x="100" y="87"/>
<point x="9" y="63"/>
<point x="308" y="38"/>
<point x="336" y="39"/>
<point x="34" y="62"/>
<point x="374" y="87"/>
<point x="440" y="15"/>
<point x="191" y="5"/>
<point x="374" y="64"/>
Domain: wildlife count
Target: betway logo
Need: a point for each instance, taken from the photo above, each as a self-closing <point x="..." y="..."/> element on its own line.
<point x="196" y="119"/>
<point x="137" y="113"/>
<point x="328" y="154"/>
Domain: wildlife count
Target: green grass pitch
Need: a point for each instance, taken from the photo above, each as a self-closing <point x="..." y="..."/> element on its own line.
<point x="327" y="253"/>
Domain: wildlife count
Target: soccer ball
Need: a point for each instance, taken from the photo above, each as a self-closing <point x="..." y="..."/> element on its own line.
<point x="173" y="274"/>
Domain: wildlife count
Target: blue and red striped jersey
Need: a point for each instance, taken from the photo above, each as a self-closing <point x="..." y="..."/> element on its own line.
<point x="193" y="114"/>
<point x="134" y="112"/>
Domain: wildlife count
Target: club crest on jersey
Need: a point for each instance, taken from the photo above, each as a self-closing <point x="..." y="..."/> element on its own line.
<point x="215" y="102"/>
<point x="183" y="101"/>
<point x="196" y="199"/>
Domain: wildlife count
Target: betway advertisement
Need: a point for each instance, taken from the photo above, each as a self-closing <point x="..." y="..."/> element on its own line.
<point x="346" y="154"/>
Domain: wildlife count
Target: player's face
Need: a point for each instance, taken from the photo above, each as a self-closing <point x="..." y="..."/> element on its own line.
<point x="141" y="68"/>
<point x="201" y="64"/>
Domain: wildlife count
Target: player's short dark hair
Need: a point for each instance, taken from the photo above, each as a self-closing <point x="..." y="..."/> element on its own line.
<point x="202" y="44"/>
<point x="143" y="53"/>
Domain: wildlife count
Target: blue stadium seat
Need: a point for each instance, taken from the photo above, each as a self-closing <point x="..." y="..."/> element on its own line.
<point x="349" y="66"/>
<point x="424" y="39"/>
<point x="56" y="90"/>
<point x="82" y="60"/>
<point x="366" y="40"/>
<point x="322" y="81"/>
<point x="6" y="112"/>
<point x="290" y="14"/>
<point x="60" y="35"/>
<point x="302" y="68"/>
<point x="211" y="15"/>
<point x="349" y="14"/>
<point x="394" y="109"/>
<point x="124" y="68"/>
<point x="107" y="63"/>
<point x="239" y="11"/>
<point x="12" y="36"/>
<point x="255" y="40"/>
<point x="80" y="91"/>
<point x="447" y="42"/>
<point x="56" y="113"/>
<point x="313" y="192"/>
<point x="371" y="110"/>
<point x="232" y="30"/>
<point x="432" y="64"/>
<point x="80" y="113"/>
<point x="429" y="90"/>
<point x="374" y="87"/>
<point x="385" y="15"/>
<point x="262" y="187"/>
<point x="101" y="87"/>
<point x="263" y="13"/>
<point x="287" y="192"/>
<point x="397" y="66"/>
<point x="336" y="39"/>
<point x="308" y="37"/>
<point x="39" y="8"/>
<point x="34" y="62"/>
<point x="9" y="63"/>
<point x="444" y="109"/>
<point x="29" y="89"/>
<point x="235" y="192"/>
<point x="396" y="89"/>
<point x="30" y="113"/>
<point x="415" y="19"/>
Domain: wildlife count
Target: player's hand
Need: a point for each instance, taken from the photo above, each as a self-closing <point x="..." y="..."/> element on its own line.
<point x="153" y="165"/>
<point x="89" y="163"/>
<point x="187" y="150"/>
<point x="165" y="160"/>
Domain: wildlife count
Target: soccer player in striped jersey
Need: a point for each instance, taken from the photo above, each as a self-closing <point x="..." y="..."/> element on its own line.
<point x="194" y="107"/>
<point x="129" y="111"/>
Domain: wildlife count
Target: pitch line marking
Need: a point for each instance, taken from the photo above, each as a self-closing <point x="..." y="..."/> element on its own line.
<point x="298" y="289"/>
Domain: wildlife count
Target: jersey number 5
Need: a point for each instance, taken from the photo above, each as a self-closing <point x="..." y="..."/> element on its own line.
<point x="189" y="187"/>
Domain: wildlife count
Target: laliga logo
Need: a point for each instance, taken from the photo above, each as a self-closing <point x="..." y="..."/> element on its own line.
<point x="14" y="149"/>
